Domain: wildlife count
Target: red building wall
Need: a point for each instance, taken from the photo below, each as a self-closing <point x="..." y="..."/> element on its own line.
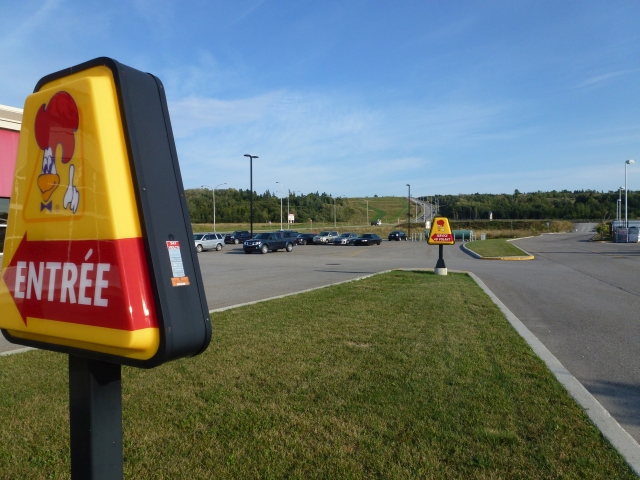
<point x="8" y="152"/>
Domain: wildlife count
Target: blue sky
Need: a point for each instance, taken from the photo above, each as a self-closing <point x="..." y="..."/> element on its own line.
<point x="359" y="98"/>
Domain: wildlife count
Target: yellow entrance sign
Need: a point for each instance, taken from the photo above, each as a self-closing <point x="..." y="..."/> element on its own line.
<point x="440" y="233"/>
<point x="74" y="241"/>
<point x="99" y="257"/>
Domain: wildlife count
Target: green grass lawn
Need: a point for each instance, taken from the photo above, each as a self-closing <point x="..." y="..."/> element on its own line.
<point x="402" y="375"/>
<point x="495" y="247"/>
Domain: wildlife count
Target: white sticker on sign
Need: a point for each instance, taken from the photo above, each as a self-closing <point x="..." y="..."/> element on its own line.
<point x="177" y="267"/>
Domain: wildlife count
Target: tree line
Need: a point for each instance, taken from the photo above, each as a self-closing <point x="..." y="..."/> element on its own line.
<point x="557" y="205"/>
<point x="233" y="206"/>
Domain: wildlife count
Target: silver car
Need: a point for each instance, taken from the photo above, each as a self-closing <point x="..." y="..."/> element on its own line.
<point x="346" y="239"/>
<point x="325" y="237"/>
<point x="208" y="241"/>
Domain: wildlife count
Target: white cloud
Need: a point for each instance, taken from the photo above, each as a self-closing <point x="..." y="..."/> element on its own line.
<point x="192" y="114"/>
<point x="321" y="142"/>
<point x="602" y="79"/>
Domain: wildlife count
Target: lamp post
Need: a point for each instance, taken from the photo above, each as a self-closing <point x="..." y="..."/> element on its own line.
<point x="214" y="202"/>
<point x="334" y="212"/>
<point x="619" y="209"/>
<point x="334" y="209"/>
<point x="626" y="192"/>
<point x="251" y="157"/>
<point x="280" y="204"/>
<point x="367" y="211"/>
<point x="409" y="209"/>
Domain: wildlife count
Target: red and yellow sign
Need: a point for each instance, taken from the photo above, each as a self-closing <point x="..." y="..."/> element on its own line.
<point x="440" y="233"/>
<point x="74" y="270"/>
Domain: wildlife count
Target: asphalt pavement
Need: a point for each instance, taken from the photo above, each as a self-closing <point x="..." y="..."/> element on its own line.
<point x="580" y="298"/>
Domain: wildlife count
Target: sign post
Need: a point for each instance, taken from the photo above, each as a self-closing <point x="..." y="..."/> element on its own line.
<point x="440" y="234"/>
<point x="95" y="419"/>
<point x="99" y="260"/>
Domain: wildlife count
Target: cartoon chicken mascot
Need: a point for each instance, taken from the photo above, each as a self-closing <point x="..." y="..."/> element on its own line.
<point x="55" y="125"/>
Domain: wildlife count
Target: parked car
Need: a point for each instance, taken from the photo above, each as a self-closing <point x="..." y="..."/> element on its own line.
<point x="346" y="239"/>
<point x="263" y="242"/>
<point x="368" y="239"/>
<point x="289" y="233"/>
<point x="305" y="238"/>
<point x="634" y="236"/>
<point x="208" y="241"/>
<point x="325" y="237"/>
<point x="239" y="236"/>
<point x="397" y="235"/>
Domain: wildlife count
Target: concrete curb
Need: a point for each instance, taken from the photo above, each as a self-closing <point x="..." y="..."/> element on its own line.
<point x="231" y="307"/>
<point x="17" y="350"/>
<point x="624" y="443"/>
<point x="480" y="257"/>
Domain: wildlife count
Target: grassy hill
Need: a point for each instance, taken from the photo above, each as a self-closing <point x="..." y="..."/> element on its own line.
<point x="387" y="209"/>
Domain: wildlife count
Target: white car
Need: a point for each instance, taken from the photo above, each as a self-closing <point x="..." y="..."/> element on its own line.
<point x="208" y="241"/>
<point x="346" y="239"/>
<point x="326" y="237"/>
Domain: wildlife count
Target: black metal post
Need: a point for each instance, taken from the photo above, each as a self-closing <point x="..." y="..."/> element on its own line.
<point x="440" y="262"/>
<point x="95" y="414"/>
<point x="251" y="157"/>
<point x="251" y="193"/>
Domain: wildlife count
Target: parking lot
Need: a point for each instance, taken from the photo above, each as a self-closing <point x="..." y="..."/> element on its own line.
<point x="232" y="277"/>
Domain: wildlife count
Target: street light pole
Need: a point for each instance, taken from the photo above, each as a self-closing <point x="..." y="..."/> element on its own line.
<point x="280" y="204"/>
<point x="619" y="209"/>
<point x="409" y="209"/>
<point x="626" y="193"/>
<point x="367" y="211"/>
<point x="334" y="212"/>
<point x="251" y="157"/>
<point x="214" y="204"/>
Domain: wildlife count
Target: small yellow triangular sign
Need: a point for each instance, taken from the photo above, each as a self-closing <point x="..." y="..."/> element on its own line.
<point x="440" y="233"/>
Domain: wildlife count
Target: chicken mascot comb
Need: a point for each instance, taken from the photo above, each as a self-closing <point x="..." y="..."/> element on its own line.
<point x="56" y="123"/>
